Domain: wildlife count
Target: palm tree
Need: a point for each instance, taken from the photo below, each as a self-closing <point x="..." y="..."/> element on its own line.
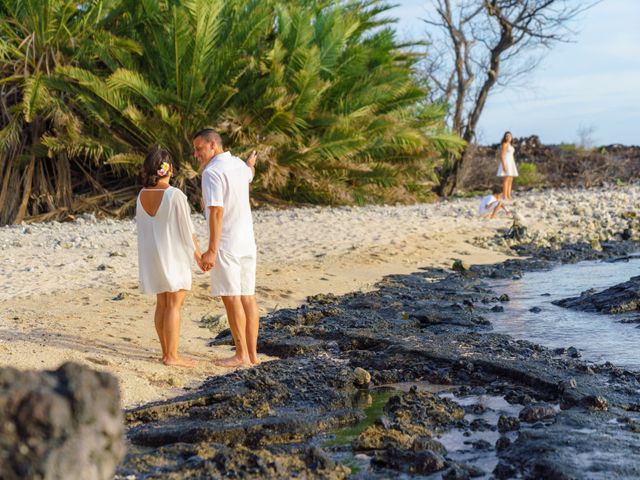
<point x="321" y="88"/>
<point x="36" y="38"/>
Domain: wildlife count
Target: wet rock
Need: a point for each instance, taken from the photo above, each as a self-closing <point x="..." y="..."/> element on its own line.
<point x="460" y="266"/>
<point x="504" y="298"/>
<point x="378" y="437"/>
<point x="497" y="308"/>
<point x="537" y="412"/>
<point x="564" y="385"/>
<point x="504" y="471"/>
<point x="65" y="423"/>
<point x="210" y="460"/>
<point x="596" y="402"/>
<point x="423" y="462"/>
<point x="508" y="424"/>
<point x="535" y="309"/>
<point x="361" y="377"/>
<point x="624" y="297"/>
<point x="481" y="445"/>
<point x="423" y="409"/>
<point x="502" y="443"/>
<point x="573" y="352"/>
<point x="480" y="425"/>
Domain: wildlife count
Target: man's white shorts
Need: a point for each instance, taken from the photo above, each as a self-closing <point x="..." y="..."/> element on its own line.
<point x="232" y="275"/>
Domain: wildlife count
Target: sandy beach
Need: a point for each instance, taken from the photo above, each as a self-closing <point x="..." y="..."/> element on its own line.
<point x="69" y="291"/>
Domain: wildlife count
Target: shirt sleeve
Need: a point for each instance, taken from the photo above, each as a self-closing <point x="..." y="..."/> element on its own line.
<point x="212" y="190"/>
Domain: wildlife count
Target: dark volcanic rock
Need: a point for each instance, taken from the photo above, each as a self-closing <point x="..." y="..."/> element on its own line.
<point x="624" y="297"/>
<point x="507" y="424"/>
<point x="59" y="424"/>
<point x="423" y="462"/>
<point x="536" y="412"/>
<point x="421" y="328"/>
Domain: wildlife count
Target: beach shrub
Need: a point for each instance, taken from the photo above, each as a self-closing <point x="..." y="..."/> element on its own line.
<point x="323" y="90"/>
<point x="528" y="175"/>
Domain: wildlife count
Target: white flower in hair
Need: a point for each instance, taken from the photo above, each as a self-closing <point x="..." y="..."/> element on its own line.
<point x="164" y="169"/>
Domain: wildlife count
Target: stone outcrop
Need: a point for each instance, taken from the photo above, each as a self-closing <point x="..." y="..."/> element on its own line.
<point x="624" y="297"/>
<point x="62" y="424"/>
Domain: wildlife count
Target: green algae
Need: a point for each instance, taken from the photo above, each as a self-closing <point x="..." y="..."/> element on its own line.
<point x="372" y="412"/>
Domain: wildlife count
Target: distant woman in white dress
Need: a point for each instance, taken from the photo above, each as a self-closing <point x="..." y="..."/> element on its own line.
<point x="507" y="169"/>
<point x="166" y="247"/>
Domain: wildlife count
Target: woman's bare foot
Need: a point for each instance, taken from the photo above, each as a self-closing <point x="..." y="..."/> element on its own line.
<point x="179" y="362"/>
<point x="232" y="362"/>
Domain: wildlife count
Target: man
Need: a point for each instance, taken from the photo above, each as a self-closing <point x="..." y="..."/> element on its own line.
<point x="231" y="255"/>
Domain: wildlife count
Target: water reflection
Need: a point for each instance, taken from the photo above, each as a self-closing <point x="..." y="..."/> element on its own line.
<point x="599" y="337"/>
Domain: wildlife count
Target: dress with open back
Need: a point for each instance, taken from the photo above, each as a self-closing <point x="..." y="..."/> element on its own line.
<point x="165" y="244"/>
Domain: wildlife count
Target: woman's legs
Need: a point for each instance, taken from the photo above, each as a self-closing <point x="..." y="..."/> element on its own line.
<point x="158" y="319"/>
<point x="510" y="182"/>
<point x="505" y="186"/>
<point x="171" y="329"/>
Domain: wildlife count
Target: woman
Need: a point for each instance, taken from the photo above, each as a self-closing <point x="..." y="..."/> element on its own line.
<point x="507" y="169"/>
<point x="166" y="245"/>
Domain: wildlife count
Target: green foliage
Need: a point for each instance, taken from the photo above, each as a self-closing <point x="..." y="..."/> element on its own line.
<point x="568" y="147"/>
<point x="321" y="89"/>
<point x="528" y="175"/>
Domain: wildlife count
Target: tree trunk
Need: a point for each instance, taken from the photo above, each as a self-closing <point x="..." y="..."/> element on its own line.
<point x="63" y="182"/>
<point x="26" y="192"/>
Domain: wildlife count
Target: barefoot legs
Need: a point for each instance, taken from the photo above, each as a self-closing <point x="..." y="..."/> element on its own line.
<point x="167" y="322"/>
<point x="242" y="312"/>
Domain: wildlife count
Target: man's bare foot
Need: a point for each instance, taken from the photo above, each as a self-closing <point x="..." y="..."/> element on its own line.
<point x="232" y="362"/>
<point x="179" y="362"/>
<point x="254" y="360"/>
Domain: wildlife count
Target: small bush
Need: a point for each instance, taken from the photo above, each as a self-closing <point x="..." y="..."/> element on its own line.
<point x="568" y="147"/>
<point x="528" y="175"/>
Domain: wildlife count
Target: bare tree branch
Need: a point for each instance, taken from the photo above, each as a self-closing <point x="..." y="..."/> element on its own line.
<point x="483" y="45"/>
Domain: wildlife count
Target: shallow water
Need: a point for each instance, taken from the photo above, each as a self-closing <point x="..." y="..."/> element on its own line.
<point x="599" y="337"/>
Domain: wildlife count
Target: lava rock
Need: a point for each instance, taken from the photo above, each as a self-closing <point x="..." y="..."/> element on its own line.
<point x="502" y="443"/>
<point x="460" y="266"/>
<point x="361" y="377"/>
<point x="508" y="424"/>
<point x="60" y="424"/>
<point x="624" y="297"/>
<point x="536" y="412"/>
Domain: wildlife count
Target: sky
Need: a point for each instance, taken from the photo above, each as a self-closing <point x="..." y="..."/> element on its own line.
<point x="590" y="84"/>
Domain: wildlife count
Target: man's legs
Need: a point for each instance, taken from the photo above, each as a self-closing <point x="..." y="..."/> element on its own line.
<point x="238" y="325"/>
<point x="250" y="308"/>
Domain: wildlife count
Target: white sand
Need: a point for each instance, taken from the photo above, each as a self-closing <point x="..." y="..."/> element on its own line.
<point x="59" y="280"/>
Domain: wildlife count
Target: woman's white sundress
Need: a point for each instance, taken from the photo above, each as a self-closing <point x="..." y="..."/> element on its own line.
<point x="512" y="170"/>
<point x="165" y="244"/>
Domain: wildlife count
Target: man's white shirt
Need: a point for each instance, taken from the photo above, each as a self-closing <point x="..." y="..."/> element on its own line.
<point x="225" y="183"/>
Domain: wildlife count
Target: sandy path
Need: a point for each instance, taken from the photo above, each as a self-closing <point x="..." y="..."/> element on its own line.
<point x="60" y="281"/>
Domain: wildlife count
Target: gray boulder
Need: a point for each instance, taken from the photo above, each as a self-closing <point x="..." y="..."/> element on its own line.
<point x="62" y="424"/>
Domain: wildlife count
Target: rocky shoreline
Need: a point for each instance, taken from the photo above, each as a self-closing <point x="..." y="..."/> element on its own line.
<point x="355" y="393"/>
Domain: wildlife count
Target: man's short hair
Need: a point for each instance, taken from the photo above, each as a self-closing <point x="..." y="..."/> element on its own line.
<point x="209" y="134"/>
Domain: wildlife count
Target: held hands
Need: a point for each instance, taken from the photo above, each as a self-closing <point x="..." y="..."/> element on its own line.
<point x="207" y="261"/>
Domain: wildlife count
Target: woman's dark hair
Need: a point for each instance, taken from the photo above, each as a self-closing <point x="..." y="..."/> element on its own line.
<point x="504" y="138"/>
<point x="152" y="163"/>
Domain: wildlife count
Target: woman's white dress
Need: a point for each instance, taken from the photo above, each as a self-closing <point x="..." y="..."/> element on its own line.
<point x="512" y="170"/>
<point x="165" y="244"/>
